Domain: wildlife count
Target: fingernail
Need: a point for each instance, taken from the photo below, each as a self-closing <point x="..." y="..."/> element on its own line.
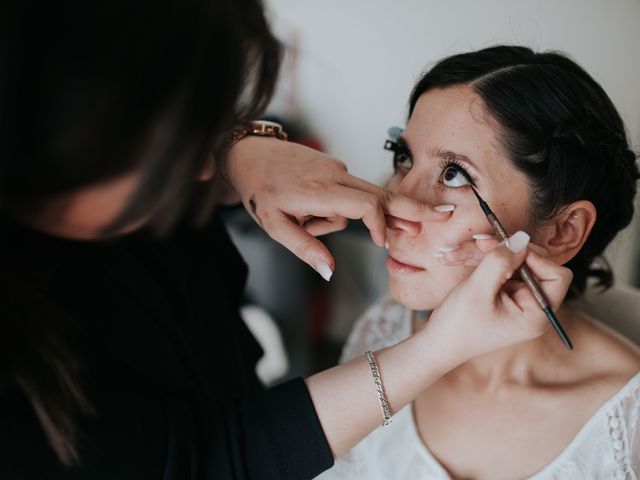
<point x="438" y="254"/>
<point x="482" y="236"/>
<point x="448" y="248"/>
<point x="444" y="208"/>
<point x="517" y="242"/>
<point x="386" y="244"/>
<point x="324" y="270"/>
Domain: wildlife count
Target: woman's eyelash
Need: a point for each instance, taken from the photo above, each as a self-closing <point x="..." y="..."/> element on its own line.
<point x="453" y="162"/>
<point x="398" y="150"/>
<point x="401" y="153"/>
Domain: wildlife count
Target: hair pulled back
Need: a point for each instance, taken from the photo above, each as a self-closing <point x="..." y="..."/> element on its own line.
<point x="560" y="129"/>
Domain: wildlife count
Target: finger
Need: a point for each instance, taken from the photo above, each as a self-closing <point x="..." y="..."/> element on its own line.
<point x="465" y="254"/>
<point x="351" y="203"/>
<point x="302" y="244"/>
<point x="499" y="265"/>
<point x="348" y="180"/>
<point x="512" y="286"/>
<point x="302" y="220"/>
<point x="486" y="242"/>
<point x="469" y="253"/>
<point x="554" y="279"/>
<point x="398" y="205"/>
<point x="357" y="204"/>
<point x="414" y="210"/>
<point x="539" y="250"/>
<point x="322" y="226"/>
<point x="412" y="228"/>
<point x="524" y="300"/>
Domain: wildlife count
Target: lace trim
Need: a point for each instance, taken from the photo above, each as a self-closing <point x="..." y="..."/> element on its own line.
<point x="384" y="324"/>
<point x="619" y="435"/>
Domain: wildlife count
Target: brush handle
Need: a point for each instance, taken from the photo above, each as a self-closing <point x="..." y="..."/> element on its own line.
<point x="536" y="290"/>
<point x="501" y="233"/>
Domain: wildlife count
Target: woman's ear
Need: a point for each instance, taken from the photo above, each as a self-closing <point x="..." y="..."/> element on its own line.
<point x="565" y="234"/>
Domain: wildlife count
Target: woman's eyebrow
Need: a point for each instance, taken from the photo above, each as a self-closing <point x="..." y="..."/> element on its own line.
<point x="449" y="155"/>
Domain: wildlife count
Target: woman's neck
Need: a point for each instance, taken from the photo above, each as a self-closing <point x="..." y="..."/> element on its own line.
<point x="532" y="362"/>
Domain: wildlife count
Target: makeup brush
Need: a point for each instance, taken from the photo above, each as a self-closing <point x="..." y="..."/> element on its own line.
<point x="525" y="273"/>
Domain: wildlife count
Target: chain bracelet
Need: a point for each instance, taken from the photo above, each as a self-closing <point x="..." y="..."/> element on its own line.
<point x="384" y="403"/>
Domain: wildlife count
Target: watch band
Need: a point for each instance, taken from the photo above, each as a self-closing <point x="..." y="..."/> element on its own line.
<point x="261" y="128"/>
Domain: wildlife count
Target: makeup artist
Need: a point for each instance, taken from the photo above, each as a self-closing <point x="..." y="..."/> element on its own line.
<point x="122" y="353"/>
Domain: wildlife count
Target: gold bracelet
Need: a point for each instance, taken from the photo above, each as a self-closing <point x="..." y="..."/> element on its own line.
<point x="384" y="403"/>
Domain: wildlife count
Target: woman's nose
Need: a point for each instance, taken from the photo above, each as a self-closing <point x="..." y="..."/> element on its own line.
<point x="396" y="224"/>
<point x="412" y="185"/>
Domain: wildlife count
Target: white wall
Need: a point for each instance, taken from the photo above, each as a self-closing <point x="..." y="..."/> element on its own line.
<point x="357" y="61"/>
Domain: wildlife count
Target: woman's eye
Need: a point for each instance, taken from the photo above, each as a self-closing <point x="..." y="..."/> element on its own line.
<point x="402" y="160"/>
<point x="452" y="176"/>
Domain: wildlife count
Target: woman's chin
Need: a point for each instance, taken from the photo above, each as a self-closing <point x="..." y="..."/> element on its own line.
<point x="415" y="300"/>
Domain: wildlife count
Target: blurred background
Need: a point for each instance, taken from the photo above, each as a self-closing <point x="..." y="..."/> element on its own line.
<point x="349" y="68"/>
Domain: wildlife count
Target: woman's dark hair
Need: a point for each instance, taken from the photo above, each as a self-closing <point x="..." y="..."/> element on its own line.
<point x="92" y="90"/>
<point x="560" y="129"/>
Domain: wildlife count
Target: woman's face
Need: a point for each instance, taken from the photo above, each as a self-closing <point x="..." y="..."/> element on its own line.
<point x="449" y="130"/>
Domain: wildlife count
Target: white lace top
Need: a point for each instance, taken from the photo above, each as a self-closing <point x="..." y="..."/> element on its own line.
<point x="607" y="446"/>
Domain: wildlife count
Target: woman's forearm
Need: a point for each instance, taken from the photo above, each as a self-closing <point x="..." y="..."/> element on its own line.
<point x="345" y="396"/>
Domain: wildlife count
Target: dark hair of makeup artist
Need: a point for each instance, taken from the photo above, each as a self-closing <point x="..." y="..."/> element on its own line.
<point x="92" y="90"/>
<point x="559" y="128"/>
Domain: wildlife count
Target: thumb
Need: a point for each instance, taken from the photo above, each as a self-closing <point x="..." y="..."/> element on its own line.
<point x="302" y="244"/>
<point x="500" y="265"/>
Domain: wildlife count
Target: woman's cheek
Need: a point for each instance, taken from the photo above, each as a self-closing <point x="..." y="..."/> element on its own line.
<point x="430" y="289"/>
<point x="460" y="228"/>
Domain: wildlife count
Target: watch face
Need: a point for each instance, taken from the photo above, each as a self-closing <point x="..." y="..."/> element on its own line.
<point x="267" y="129"/>
<point x="265" y="124"/>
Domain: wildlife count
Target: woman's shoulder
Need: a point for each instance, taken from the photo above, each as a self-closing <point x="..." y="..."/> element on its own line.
<point x="605" y="352"/>
<point x="603" y="367"/>
<point x="384" y="323"/>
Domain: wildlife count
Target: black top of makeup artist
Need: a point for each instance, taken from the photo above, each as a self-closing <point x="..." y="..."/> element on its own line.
<point x="167" y="363"/>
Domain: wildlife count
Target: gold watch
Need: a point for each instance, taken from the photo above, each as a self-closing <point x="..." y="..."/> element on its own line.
<point x="264" y="128"/>
<point x="260" y="128"/>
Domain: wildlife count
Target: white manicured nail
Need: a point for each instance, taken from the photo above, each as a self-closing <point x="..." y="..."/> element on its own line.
<point x="444" y="208"/>
<point x="386" y="244"/>
<point x="324" y="270"/>
<point x="482" y="236"/>
<point x="448" y="248"/>
<point x="517" y="242"/>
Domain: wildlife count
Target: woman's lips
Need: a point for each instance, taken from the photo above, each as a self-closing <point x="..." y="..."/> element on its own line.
<point x="399" y="266"/>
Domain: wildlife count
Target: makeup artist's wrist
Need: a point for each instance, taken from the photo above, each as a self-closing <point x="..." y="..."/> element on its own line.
<point x="242" y="162"/>
<point x="236" y="165"/>
<point x="423" y="359"/>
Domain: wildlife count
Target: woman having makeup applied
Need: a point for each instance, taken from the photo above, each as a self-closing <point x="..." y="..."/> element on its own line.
<point x="542" y="143"/>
